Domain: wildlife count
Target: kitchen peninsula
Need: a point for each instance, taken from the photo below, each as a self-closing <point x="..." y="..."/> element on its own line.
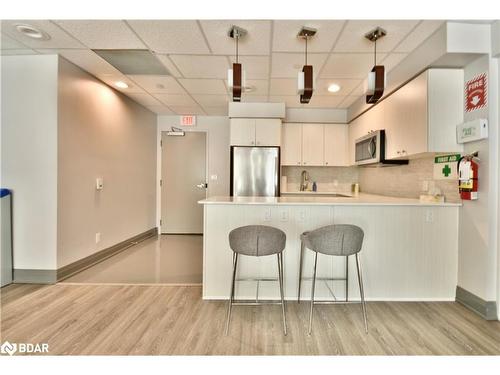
<point x="409" y="253"/>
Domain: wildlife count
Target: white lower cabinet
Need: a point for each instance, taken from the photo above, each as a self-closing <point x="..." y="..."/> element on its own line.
<point x="315" y="144"/>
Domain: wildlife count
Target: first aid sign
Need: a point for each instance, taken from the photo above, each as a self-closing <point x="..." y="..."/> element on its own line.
<point x="476" y="93"/>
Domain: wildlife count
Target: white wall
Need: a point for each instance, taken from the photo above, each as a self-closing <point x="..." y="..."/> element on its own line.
<point x="102" y="133"/>
<point x="29" y="156"/>
<point x="478" y="227"/>
<point x="218" y="158"/>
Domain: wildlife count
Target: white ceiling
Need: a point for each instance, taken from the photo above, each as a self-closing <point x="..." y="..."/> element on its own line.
<point x="198" y="54"/>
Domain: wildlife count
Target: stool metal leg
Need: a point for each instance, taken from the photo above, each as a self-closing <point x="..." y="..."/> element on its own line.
<point x="231" y="295"/>
<point x="280" y="277"/>
<point x="361" y="291"/>
<point x="312" y="292"/>
<point x="347" y="278"/>
<point x="300" y="267"/>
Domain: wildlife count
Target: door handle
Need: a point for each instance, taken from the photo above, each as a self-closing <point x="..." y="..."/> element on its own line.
<point x="203" y="185"/>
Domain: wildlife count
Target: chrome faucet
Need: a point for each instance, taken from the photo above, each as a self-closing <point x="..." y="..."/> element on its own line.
<point x="304" y="180"/>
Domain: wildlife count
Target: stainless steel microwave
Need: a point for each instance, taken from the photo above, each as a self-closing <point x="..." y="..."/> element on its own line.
<point x="370" y="150"/>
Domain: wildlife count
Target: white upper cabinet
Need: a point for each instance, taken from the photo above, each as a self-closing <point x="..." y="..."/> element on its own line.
<point x="420" y="117"/>
<point x="291" y="151"/>
<point x="255" y="132"/>
<point x="268" y="132"/>
<point x="336" y="145"/>
<point x="313" y="144"/>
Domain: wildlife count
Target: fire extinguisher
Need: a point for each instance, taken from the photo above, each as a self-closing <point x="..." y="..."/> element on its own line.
<point x="468" y="169"/>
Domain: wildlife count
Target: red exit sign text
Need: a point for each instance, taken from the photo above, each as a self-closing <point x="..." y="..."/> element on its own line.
<point x="188" y="120"/>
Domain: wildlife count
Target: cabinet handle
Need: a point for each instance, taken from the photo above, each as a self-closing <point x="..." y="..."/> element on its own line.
<point x="399" y="152"/>
<point x="298" y="163"/>
<point x="403" y="151"/>
<point x="252" y="142"/>
<point x="304" y="163"/>
<point x="326" y="163"/>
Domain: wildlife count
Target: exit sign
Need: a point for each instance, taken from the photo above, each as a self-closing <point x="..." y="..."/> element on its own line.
<point x="188" y="120"/>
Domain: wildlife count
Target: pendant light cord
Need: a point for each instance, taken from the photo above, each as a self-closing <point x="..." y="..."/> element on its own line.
<point x="375" y="56"/>
<point x="306" y="49"/>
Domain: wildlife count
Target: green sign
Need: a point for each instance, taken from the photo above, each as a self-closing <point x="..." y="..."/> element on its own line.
<point x="447" y="158"/>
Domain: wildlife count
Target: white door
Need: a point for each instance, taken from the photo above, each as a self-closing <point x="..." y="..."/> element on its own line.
<point x="242" y="132"/>
<point x="312" y="144"/>
<point x="183" y="182"/>
<point x="268" y="132"/>
<point x="291" y="150"/>
<point x="336" y="145"/>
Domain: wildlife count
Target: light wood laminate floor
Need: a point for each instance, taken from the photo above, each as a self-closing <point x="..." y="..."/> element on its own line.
<point x="158" y="319"/>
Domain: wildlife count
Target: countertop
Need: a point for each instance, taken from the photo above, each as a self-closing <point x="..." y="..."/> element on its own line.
<point x="309" y="199"/>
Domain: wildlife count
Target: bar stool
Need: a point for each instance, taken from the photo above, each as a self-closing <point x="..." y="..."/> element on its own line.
<point x="336" y="240"/>
<point x="257" y="241"/>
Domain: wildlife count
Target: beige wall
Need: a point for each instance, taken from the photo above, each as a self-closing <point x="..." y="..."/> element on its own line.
<point x="405" y="180"/>
<point x="101" y="133"/>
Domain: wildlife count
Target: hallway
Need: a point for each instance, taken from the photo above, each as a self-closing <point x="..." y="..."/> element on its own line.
<point x="166" y="259"/>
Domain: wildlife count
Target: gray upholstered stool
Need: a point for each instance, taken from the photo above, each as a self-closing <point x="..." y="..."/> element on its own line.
<point x="336" y="240"/>
<point x="256" y="241"/>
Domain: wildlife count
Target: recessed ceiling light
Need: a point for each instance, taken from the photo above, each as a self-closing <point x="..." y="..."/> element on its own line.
<point x="121" y="85"/>
<point x="334" y="88"/>
<point x="249" y="89"/>
<point x="32" y="32"/>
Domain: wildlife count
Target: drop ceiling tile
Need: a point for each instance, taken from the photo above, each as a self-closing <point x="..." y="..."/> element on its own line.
<point x="349" y="65"/>
<point x="349" y="100"/>
<point x="353" y="38"/>
<point x="216" y="111"/>
<point x="204" y="86"/>
<point x="346" y="86"/>
<point x="360" y="89"/>
<point x="287" y="65"/>
<point x="58" y="37"/>
<point x="211" y="100"/>
<point x="160" y="109"/>
<point x="196" y="66"/>
<point x="187" y="110"/>
<point x="85" y="59"/>
<point x="165" y="60"/>
<point x="102" y="34"/>
<point x="171" y="36"/>
<point x="158" y="84"/>
<point x="285" y="35"/>
<point x="144" y="99"/>
<point x="16" y="52"/>
<point x="392" y="60"/>
<point x="424" y="30"/>
<point x="9" y="43"/>
<point x="177" y="100"/>
<point x="323" y="101"/>
<point x="255" y="42"/>
<point x="256" y="67"/>
<point x="289" y="100"/>
<point x="283" y="86"/>
<point x="111" y="79"/>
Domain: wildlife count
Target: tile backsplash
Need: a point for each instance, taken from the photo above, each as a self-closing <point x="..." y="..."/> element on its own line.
<point x="336" y="179"/>
<point x="406" y="180"/>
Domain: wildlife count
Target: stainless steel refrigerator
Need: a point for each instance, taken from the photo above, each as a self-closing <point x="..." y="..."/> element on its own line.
<point x="255" y="171"/>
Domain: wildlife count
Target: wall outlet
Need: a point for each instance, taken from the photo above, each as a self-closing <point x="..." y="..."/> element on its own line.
<point x="429" y="216"/>
<point x="97" y="237"/>
<point x="302" y="215"/>
<point x="284" y="215"/>
<point x="267" y="214"/>
<point x="99" y="183"/>
<point x="214" y="177"/>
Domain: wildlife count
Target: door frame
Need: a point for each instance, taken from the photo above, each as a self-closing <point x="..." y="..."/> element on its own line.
<point x="159" y="168"/>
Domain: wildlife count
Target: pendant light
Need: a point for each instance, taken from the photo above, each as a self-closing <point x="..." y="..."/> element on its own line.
<point x="377" y="77"/>
<point x="236" y="78"/>
<point x="305" y="77"/>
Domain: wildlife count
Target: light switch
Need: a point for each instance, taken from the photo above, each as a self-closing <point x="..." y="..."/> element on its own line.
<point x="214" y="177"/>
<point x="99" y="183"/>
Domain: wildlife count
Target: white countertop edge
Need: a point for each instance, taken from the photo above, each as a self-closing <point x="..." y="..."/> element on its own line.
<point x="360" y="200"/>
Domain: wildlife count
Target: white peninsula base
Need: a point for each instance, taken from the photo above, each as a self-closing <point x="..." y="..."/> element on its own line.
<point x="409" y="251"/>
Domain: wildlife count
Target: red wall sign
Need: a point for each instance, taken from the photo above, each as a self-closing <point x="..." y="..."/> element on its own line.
<point x="476" y="93"/>
<point x="188" y="120"/>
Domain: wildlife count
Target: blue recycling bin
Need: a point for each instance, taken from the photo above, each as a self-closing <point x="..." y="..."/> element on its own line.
<point x="6" y="238"/>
